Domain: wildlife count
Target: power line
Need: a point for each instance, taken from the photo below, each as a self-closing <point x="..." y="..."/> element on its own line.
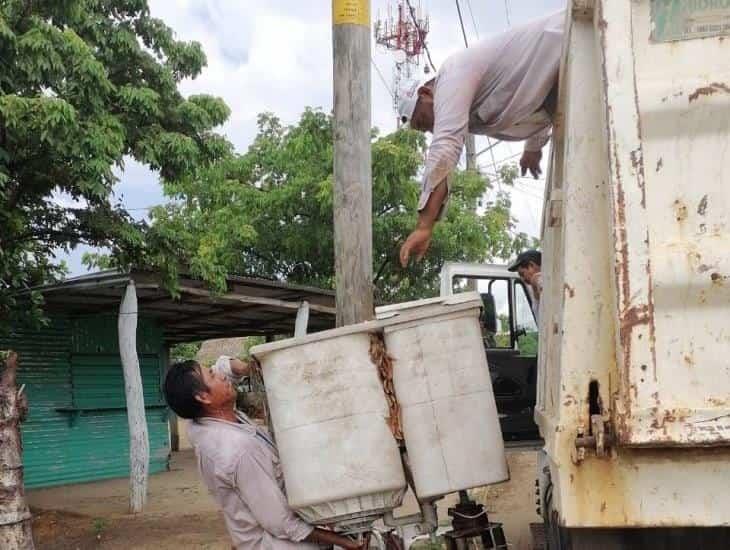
<point x="382" y="78"/>
<point x="473" y="21"/>
<point x="527" y="191"/>
<point x="505" y="159"/>
<point x="461" y="22"/>
<point x="494" y="163"/>
<point x="490" y="147"/>
<point x="530" y="212"/>
<point x="420" y="34"/>
<point x="487" y="148"/>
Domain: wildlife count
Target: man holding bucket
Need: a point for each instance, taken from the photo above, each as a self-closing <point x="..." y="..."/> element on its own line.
<point x="239" y="462"/>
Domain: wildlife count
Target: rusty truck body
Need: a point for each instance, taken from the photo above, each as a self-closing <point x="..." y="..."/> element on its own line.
<point x="633" y="388"/>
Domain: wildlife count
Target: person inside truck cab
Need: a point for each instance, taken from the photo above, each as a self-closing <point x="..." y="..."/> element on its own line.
<point x="504" y="87"/>
<point x="239" y="462"/>
<point x="528" y="266"/>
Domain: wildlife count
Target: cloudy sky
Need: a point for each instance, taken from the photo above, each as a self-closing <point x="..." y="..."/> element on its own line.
<point x="276" y="55"/>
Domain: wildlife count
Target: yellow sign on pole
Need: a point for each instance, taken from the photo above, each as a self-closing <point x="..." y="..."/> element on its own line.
<point x="353" y="12"/>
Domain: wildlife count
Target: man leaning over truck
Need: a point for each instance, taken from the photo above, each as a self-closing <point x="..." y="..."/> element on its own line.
<point x="504" y="87"/>
<point x="239" y="462"/>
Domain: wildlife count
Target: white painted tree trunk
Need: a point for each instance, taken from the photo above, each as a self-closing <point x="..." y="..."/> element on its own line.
<point x="139" y="448"/>
<point x="15" y="518"/>
<point x="300" y="325"/>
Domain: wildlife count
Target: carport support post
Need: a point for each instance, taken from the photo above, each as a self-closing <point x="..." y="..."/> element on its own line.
<point x="139" y="448"/>
<point x="352" y="161"/>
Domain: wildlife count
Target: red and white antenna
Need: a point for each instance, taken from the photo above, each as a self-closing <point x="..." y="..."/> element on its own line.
<point x="403" y="31"/>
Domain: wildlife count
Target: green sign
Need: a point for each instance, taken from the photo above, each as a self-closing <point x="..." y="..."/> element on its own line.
<point x="687" y="19"/>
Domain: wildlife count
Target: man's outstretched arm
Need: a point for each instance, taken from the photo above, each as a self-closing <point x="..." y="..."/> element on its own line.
<point x="419" y="240"/>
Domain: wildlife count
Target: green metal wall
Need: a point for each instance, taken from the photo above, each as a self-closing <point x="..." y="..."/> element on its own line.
<point x="77" y="427"/>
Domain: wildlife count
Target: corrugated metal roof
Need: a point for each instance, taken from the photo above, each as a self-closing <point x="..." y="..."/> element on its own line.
<point x="249" y="307"/>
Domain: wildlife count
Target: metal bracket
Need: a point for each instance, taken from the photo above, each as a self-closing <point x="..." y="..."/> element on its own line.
<point x="600" y="438"/>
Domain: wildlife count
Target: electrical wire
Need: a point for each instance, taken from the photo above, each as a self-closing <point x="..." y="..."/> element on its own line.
<point x="494" y="163"/>
<point x="473" y="21"/>
<point x="490" y="147"/>
<point x="505" y="159"/>
<point x="527" y="191"/>
<point x="461" y="22"/>
<point x="382" y="78"/>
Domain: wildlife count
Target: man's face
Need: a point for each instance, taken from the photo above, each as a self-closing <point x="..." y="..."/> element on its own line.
<point x="220" y="393"/>
<point x="528" y="271"/>
<point x="423" y="117"/>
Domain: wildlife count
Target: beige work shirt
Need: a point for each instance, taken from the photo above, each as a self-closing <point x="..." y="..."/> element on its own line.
<point x="496" y="88"/>
<point x="536" y="288"/>
<point x="240" y="467"/>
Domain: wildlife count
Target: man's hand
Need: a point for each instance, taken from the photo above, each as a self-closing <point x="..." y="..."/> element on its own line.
<point x="326" y="537"/>
<point x="416" y="245"/>
<point x="531" y="161"/>
<point x="419" y="240"/>
<point x="240" y="368"/>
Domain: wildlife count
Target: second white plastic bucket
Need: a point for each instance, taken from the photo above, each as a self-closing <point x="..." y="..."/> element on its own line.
<point x="442" y="383"/>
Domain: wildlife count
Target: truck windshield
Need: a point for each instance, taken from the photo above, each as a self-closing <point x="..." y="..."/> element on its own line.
<point x="496" y="307"/>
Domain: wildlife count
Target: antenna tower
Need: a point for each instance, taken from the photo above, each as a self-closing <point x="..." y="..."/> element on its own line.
<point x="404" y="33"/>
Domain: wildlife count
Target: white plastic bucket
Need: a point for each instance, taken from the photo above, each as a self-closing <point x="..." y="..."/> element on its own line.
<point x="442" y="383"/>
<point x="328" y="410"/>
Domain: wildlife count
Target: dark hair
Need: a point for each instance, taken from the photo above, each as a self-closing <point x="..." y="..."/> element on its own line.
<point x="182" y="383"/>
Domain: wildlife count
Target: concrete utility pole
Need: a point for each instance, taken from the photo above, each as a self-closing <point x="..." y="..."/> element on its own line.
<point x="352" y="188"/>
<point x="471" y="154"/>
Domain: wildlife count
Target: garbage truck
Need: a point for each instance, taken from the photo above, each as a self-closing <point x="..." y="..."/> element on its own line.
<point x="633" y="384"/>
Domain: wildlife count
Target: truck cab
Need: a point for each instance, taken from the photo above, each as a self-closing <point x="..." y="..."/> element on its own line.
<point x="510" y="339"/>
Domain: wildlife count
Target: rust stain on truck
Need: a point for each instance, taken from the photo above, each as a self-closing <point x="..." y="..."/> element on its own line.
<point x="709" y="90"/>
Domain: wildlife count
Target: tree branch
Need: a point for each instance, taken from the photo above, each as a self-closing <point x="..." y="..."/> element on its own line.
<point x="380" y="271"/>
<point x="386" y="210"/>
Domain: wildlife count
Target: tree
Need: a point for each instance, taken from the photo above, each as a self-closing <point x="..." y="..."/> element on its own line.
<point x="184" y="351"/>
<point x="269" y="212"/>
<point x="15" y="518"/>
<point x="85" y="84"/>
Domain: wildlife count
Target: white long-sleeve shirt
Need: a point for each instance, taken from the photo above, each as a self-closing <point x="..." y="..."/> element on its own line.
<point x="239" y="464"/>
<point x="496" y="88"/>
<point x="240" y="467"/>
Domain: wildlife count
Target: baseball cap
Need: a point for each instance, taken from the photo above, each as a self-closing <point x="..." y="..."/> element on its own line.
<point x="526" y="257"/>
<point x="408" y="98"/>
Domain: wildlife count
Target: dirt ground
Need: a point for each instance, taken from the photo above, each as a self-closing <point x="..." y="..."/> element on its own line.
<point x="180" y="514"/>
